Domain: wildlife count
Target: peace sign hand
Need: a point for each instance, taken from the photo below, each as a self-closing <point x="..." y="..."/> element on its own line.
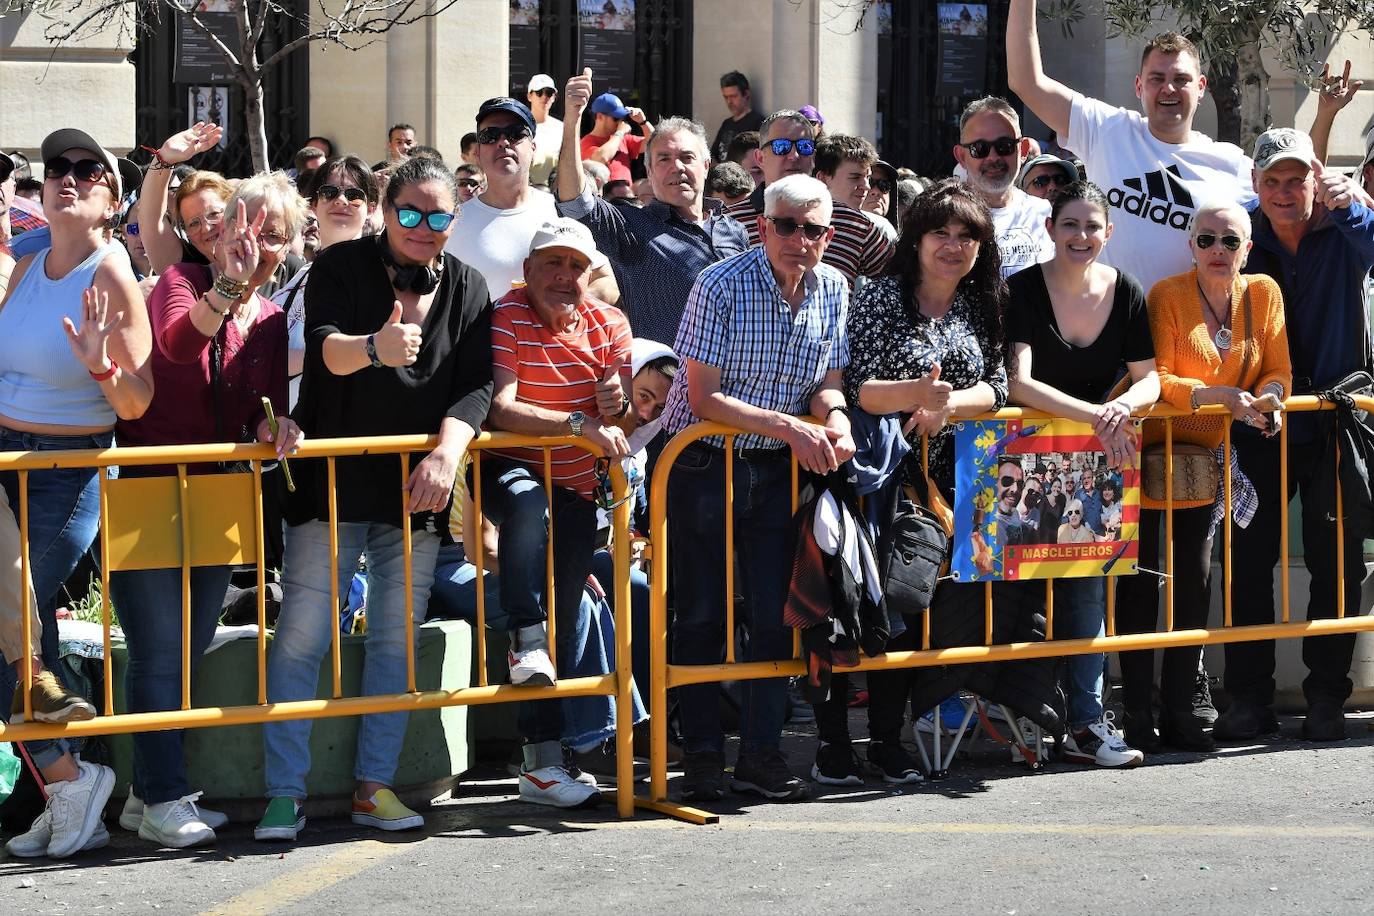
<point x="90" y="342"/>
<point x="237" y="246"/>
<point x="197" y="138"/>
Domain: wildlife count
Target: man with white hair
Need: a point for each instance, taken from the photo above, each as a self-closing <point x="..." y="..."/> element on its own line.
<point x="657" y="251"/>
<point x="763" y="343"/>
<point x="991" y="150"/>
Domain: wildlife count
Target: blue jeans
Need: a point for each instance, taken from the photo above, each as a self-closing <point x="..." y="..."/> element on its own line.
<point x="304" y="633"/>
<point x="149" y="605"/>
<point x="603" y="567"/>
<point x="1080" y="610"/>
<point x="513" y="499"/>
<point x="763" y="541"/>
<point x="585" y="649"/>
<point x="64" y="515"/>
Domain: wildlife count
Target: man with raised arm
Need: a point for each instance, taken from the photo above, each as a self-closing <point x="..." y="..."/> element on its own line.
<point x="1155" y="168"/>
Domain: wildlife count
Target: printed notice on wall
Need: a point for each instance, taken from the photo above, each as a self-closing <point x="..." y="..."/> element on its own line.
<point x="963" y="29"/>
<point x="608" y="44"/>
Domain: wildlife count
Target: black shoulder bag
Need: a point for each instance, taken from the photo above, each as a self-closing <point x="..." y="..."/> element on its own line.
<point x="915" y="547"/>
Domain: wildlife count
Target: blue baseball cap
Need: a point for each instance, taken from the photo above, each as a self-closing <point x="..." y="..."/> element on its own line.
<point x="509" y="105"/>
<point x="608" y="103"/>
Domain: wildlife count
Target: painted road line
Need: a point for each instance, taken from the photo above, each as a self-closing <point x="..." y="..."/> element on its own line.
<point x="353" y="857"/>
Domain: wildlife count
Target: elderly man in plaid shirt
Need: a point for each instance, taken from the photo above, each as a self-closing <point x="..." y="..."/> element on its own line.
<point x="763" y="341"/>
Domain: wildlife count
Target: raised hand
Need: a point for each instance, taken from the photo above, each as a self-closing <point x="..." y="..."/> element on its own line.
<point x="90" y="343"/>
<point x="1334" y="190"/>
<point x="577" y="94"/>
<point x="196" y="139"/>
<point x="397" y="343"/>
<point x="610" y="394"/>
<point x="237" y="246"/>
<point x="1337" y="91"/>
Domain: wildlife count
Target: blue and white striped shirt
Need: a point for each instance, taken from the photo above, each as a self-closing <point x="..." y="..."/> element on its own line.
<point x="738" y="321"/>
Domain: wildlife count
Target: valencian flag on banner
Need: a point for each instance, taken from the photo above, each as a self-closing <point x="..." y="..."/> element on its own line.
<point x="1035" y="499"/>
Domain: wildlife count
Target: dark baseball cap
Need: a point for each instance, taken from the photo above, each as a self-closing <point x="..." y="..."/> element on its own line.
<point x="6" y="166"/>
<point x="59" y="141"/>
<point x="508" y="105"/>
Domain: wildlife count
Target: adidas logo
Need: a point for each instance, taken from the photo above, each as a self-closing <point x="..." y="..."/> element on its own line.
<point x="1160" y="197"/>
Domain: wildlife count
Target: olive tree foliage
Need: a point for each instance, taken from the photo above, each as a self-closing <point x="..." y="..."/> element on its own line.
<point x="349" y="24"/>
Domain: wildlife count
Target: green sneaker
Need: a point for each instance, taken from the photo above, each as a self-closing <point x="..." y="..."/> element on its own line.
<point x="282" y="820"/>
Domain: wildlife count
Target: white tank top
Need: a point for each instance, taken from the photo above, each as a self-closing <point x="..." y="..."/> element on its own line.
<point x="40" y="380"/>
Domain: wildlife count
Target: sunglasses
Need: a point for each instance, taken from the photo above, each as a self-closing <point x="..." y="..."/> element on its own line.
<point x="1074" y="512"/>
<point x="1043" y="181"/>
<point x="513" y="133"/>
<point x="546" y="93"/>
<point x="1206" y="239"/>
<point x="131" y="230"/>
<point x="604" y="496"/>
<point x="332" y="192"/>
<point x="88" y="170"/>
<point x="437" y="220"/>
<point x="783" y="146"/>
<point x="883" y="185"/>
<point x="786" y="226"/>
<point x="1003" y="146"/>
<point x="469" y="183"/>
<point x="1009" y="481"/>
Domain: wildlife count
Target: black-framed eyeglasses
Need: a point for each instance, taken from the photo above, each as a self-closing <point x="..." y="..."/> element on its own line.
<point x="88" y="170"/>
<point x="786" y="226"/>
<point x="1008" y="481"/>
<point x="604" y="497"/>
<point x="436" y="220"/>
<point x="332" y="192"/>
<point x="1206" y="240"/>
<point x="881" y="184"/>
<point x="782" y="146"/>
<point x="546" y="93"/>
<point x="1002" y="146"/>
<point x="513" y="133"/>
<point x="1043" y="181"/>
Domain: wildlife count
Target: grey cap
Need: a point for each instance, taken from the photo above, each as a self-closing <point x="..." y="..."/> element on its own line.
<point x="1068" y="167"/>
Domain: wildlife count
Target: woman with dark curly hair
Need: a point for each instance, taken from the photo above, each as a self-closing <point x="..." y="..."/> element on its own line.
<point x="926" y="340"/>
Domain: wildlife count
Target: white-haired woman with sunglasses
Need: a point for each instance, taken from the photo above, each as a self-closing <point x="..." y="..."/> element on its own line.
<point x="74" y="358"/>
<point x="1219" y="339"/>
<point x="221" y="349"/>
<point x="398" y="342"/>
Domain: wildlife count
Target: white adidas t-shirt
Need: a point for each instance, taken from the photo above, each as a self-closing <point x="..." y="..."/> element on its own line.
<point x="1020" y="231"/>
<point x="1154" y="187"/>
<point x="496" y="242"/>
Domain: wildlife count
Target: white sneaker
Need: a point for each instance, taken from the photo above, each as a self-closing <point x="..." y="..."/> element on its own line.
<point x="1101" y="744"/>
<point x="76" y="807"/>
<point x="175" y="824"/>
<point x="531" y="667"/>
<point x="556" y="787"/>
<point x="34" y="843"/>
<point x="132" y="816"/>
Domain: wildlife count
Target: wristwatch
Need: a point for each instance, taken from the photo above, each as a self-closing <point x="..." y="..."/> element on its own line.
<point x="575" y="420"/>
<point x="372" y="352"/>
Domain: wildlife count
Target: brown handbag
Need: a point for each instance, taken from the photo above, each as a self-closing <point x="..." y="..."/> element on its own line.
<point x="1196" y="470"/>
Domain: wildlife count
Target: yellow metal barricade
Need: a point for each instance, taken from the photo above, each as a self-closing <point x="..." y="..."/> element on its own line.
<point x="665" y="675"/>
<point x="190" y="520"/>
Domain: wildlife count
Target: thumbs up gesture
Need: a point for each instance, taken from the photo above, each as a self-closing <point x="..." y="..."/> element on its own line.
<point x="931" y="393"/>
<point x="397" y="342"/>
<point x="611" y="402"/>
<point x="577" y="94"/>
<point x="1333" y="190"/>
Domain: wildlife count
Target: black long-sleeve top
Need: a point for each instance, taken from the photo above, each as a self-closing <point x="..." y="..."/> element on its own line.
<point x="349" y="292"/>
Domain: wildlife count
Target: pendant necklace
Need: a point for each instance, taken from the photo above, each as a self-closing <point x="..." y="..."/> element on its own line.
<point x="1222" y="338"/>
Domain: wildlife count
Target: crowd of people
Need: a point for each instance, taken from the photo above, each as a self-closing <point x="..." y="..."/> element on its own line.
<point x="620" y="284"/>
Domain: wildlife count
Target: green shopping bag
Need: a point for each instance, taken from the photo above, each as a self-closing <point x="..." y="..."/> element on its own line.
<point x="9" y="770"/>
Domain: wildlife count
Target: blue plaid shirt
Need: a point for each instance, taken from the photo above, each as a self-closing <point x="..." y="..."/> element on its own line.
<point x="738" y="321"/>
<point x="656" y="254"/>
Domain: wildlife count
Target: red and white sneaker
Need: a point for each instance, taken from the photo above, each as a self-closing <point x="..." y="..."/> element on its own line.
<point x="556" y="787"/>
<point x="531" y="667"/>
<point x="1102" y="745"/>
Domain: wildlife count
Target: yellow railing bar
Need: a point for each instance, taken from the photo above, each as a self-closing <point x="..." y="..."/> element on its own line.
<point x="1340" y="537"/>
<point x="184" y="507"/>
<point x="478" y="562"/>
<point x="336" y="665"/>
<point x="1283" y="520"/>
<point x="1168" y="551"/>
<point x="1226" y="519"/>
<point x="1049" y="609"/>
<point x="107" y="663"/>
<point x="259" y="531"/>
<point x="407" y="573"/>
<point x="730" y="550"/>
<point x="25" y="578"/>
<point x="624" y="680"/>
<point x="551" y="595"/>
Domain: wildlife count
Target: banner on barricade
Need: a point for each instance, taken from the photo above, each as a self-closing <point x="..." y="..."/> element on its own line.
<point x="1035" y="499"/>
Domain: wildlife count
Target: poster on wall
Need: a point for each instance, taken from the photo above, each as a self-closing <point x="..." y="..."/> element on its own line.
<point x="607" y="44"/>
<point x="1035" y="499"/>
<point x="197" y="59"/>
<point x="963" y="30"/>
<point x="524" y="45"/>
<point x="210" y="103"/>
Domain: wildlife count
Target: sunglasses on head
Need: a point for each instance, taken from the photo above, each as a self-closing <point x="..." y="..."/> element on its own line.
<point x="546" y="93"/>
<point x="332" y="192"/>
<point x="782" y="146"/>
<point x="91" y="170"/>
<point x="437" y="220"/>
<point x="785" y="226"/>
<point x="1003" y="146"/>
<point x="883" y="185"/>
<point x="1207" y="239"/>
<point x="513" y="133"/>
<point x="1041" y="181"/>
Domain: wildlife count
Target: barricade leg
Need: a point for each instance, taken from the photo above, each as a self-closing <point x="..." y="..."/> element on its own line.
<point x="1249" y="675"/>
<point x="1328" y="658"/>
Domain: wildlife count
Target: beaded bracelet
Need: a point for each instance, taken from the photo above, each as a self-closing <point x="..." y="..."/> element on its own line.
<point x="230" y="288"/>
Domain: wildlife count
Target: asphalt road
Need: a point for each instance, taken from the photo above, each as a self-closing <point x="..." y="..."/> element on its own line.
<point x="1278" y="827"/>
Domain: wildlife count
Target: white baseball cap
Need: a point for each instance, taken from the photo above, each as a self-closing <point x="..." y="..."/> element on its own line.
<point x="565" y="232"/>
<point x="541" y="81"/>
<point x="1279" y="143"/>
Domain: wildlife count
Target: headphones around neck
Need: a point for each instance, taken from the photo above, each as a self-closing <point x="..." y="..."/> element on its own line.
<point x="417" y="278"/>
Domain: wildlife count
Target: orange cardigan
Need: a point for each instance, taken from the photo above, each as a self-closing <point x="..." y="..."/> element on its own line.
<point x="1187" y="359"/>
